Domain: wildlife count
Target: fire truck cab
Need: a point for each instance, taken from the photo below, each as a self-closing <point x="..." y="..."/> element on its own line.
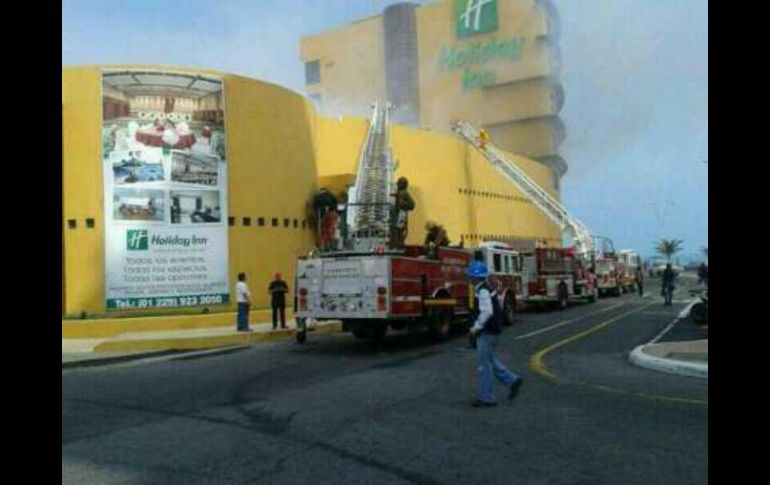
<point x="631" y="260"/>
<point x="609" y="275"/>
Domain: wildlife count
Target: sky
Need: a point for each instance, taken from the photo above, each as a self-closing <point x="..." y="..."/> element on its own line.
<point x="635" y="74"/>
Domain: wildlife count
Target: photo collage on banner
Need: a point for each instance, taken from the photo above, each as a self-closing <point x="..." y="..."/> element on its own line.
<point x="165" y="189"/>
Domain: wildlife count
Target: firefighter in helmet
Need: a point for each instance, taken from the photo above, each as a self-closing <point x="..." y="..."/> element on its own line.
<point x="484" y="138"/>
<point x="435" y="238"/>
<point x="399" y="217"/>
<point x="325" y="208"/>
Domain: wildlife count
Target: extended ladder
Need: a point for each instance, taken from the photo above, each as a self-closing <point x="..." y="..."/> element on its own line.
<point x="371" y="197"/>
<point x="584" y="243"/>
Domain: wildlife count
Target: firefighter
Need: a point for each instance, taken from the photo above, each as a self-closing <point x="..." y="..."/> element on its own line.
<point x="400" y="217"/>
<point x="484" y="138"/>
<point x="487" y="328"/>
<point x="435" y="238"/>
<point x="342" y="216"/>
<point x="325" y="209"/>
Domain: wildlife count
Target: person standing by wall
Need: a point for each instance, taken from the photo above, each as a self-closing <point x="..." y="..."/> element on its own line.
<point x="243" y="297"/>
<point x="278" y="289"/>
<point x="487" y="329"/>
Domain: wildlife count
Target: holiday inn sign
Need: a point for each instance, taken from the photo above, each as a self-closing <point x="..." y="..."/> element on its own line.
<point x="473" y="17"/>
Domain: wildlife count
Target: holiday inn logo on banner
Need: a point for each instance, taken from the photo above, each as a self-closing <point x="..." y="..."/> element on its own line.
<point x="475" y="17"/>
<point x="136" y="240"/>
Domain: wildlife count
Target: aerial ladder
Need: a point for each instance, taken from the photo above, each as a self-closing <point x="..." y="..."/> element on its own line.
<point x="583" y="241"/>
<point x="372" y="196"/>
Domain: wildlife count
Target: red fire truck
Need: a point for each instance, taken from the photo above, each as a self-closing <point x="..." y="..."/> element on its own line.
<point x="371" y="293"/>
<point x="609" y="275"/>
<point x="551" y="275"/>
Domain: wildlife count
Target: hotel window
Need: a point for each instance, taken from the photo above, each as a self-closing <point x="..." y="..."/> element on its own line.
<point x="312" y="72"/>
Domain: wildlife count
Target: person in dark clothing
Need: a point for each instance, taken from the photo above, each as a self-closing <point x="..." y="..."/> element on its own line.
<point x="278" y="289"/>
<point x="399" y="216"/>
<point x="703" y="274"/>
<point x="667" y="280"/>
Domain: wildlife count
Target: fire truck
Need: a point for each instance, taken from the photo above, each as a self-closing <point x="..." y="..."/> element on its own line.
<point x="549" y="275"/>
<point x="631" y="262"/>
<point x="373" y="287"/>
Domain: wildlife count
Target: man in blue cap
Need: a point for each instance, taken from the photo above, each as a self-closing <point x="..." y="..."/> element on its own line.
<point x="486" y="329"/>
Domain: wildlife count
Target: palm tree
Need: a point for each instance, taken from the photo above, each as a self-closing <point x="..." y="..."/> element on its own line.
<point x="668" y="247"/>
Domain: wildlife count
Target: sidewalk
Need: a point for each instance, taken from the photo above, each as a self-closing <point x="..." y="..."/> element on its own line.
<point x="682" y="358"/>
<point x="128" y="345"/>
<point x="687" y="358"/>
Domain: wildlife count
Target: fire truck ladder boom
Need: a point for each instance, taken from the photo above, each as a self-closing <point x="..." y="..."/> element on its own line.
<point x="371" y="196"/>
<point x="543" y="200"/>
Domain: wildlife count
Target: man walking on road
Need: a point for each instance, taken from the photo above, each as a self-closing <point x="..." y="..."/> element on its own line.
<point x="278" y="289"/>
<point x="243" y="297"/>
<point x="487" y="329"/>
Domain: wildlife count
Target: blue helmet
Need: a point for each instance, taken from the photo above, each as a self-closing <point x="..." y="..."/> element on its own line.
<point x="478" y="269"/>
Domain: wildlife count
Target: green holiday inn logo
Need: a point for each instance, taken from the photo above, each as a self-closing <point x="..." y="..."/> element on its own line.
<point x="475" y="17"/>
<point x="136" y="240"/>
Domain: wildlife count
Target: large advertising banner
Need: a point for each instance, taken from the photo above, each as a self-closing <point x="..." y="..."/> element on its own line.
<point x="165" y="190"/>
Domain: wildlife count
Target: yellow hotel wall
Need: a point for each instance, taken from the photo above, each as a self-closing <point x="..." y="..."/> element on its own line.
<point x="437" y="167"/>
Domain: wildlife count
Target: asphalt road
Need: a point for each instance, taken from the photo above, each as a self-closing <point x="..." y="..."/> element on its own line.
<point x="337" y="410"/>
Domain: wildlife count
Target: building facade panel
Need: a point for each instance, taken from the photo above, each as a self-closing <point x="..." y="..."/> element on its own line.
<point x="502" y="75"/>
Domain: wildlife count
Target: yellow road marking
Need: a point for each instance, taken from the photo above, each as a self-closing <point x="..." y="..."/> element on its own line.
<point x="537" y="364"/>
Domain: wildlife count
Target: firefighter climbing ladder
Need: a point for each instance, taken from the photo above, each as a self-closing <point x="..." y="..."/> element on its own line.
<point x="371" y="197"/>
<point x="584" y="243"/>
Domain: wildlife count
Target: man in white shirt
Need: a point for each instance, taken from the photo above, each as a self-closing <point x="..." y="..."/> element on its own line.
<point x="243" y="297"/>
<point x="486" y="329"/>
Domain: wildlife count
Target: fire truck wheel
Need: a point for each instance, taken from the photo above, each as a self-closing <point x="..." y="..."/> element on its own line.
<point x="563" y="296"/>
<point x="440" y="324"/>
<point x="509" y="310"/>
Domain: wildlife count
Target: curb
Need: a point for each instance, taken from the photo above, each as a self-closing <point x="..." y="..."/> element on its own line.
<point x="670" y="366"/>
<point x="154" y="356"/>
<point x="199" y="343"/>
<point x="97" y="361"/>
